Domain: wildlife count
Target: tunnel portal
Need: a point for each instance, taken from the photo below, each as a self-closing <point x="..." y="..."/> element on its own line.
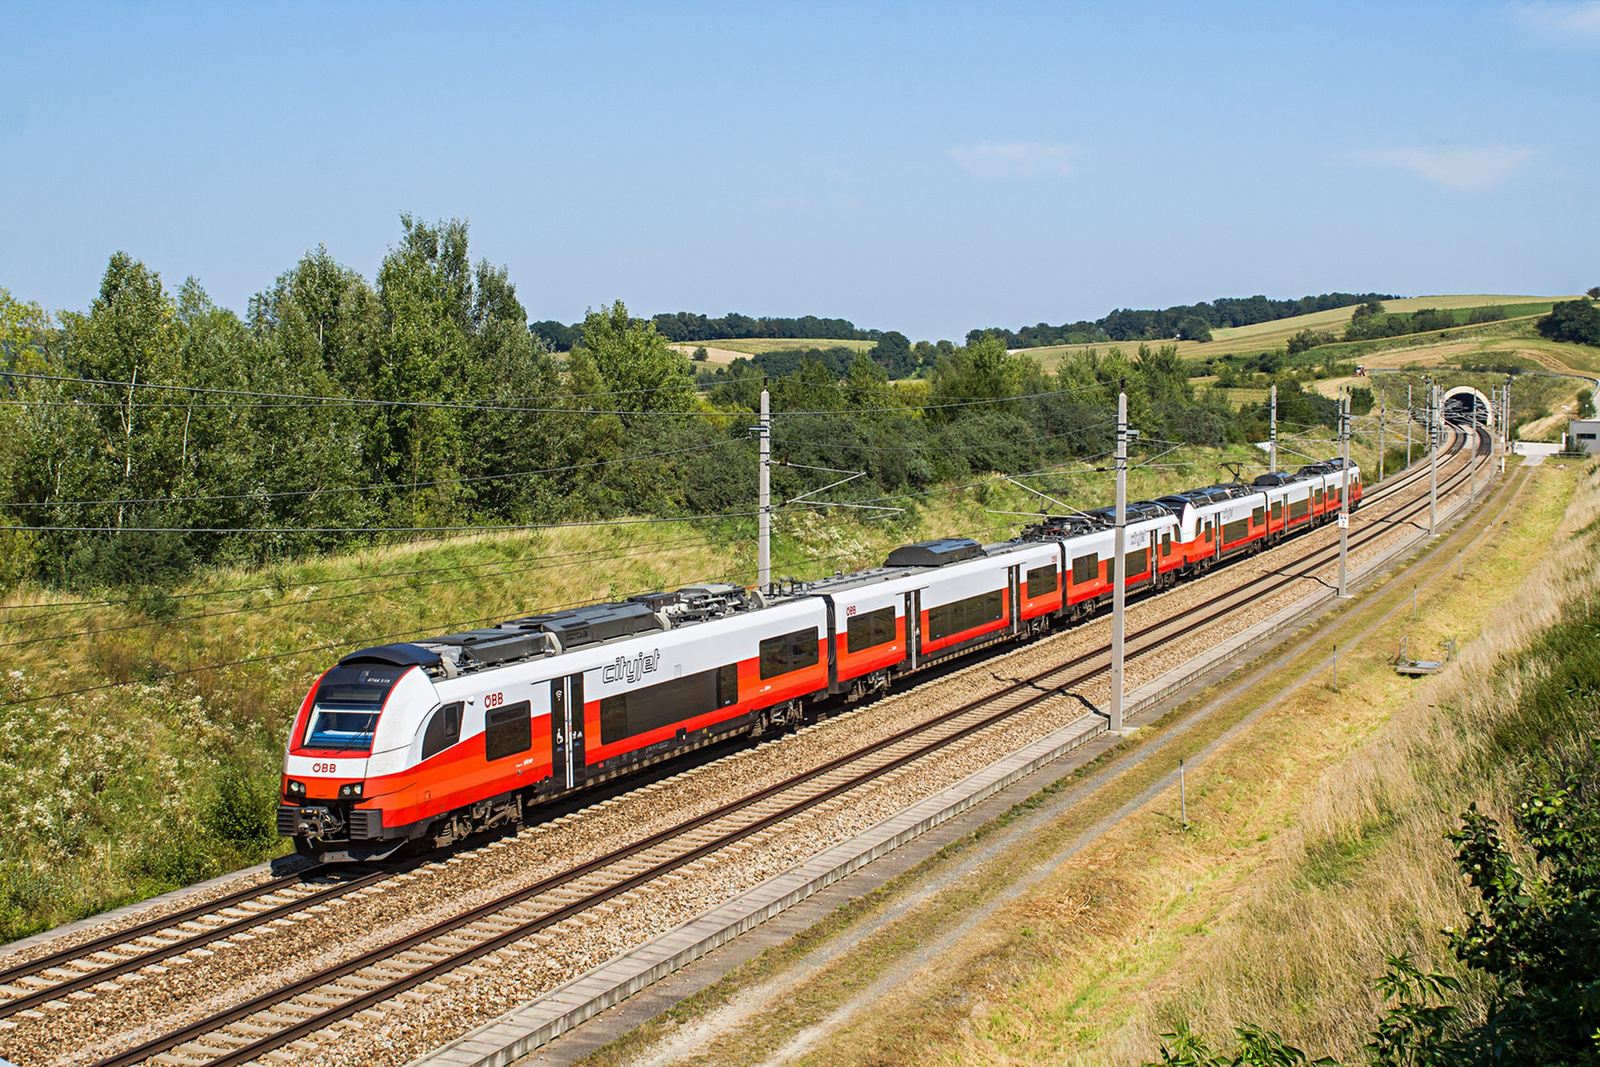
<point x="1466" y="402"/>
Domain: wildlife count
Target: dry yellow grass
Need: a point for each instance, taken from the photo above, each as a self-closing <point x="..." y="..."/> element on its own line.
<point x="1365" y="869"/>
<point x="1317" y="850"/>
<point x="717" y="357"/>
<point x="1267" y="336"/>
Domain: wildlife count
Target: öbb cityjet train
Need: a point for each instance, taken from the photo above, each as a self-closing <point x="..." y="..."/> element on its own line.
<point x="430" y="741"/>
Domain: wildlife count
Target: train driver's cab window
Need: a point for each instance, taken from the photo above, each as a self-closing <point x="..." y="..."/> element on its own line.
<point x="345" y="710"/>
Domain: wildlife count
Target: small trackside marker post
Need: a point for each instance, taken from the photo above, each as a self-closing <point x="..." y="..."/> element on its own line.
<point x="1335" y="668"/>
<point x="1183" y="795"/>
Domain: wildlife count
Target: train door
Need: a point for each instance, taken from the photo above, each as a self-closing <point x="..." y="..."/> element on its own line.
<point x="566" y="732"/>
<point x="914" y="628"/>
<point x="1013" y="583"/>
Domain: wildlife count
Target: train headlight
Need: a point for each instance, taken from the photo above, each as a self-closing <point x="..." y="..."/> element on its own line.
<point x="351" y="790"/>
<point x="297" y="789"/>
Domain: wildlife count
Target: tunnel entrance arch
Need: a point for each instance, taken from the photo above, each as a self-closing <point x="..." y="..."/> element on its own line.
<point x="1466" y="402"/>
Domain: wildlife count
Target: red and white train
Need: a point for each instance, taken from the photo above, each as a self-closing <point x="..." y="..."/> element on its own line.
<point x="433" y="740"/>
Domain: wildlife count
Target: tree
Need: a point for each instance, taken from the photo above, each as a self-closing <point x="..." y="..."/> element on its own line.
<point x="893" y="353"/>
<point x="982" y="371"/>
<point x="1593" y="292"/>
<point x="1194" y="328"/>
<point x="628" y="358"/>
<point x="1305" y="339"/>
<point x="1572" y="320"/>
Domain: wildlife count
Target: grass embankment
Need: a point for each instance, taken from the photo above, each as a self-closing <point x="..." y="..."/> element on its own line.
<point x="1316" y="848"/>
<point x="128" y="768"/>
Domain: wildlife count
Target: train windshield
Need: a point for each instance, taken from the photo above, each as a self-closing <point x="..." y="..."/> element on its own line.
<point x="344" y="714"/>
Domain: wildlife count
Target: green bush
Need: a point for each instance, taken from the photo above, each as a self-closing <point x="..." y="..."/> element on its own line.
<point x="242" y="811"/>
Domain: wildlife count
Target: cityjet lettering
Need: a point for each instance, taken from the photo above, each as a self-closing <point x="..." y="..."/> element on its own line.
<point x="631" y="669"/>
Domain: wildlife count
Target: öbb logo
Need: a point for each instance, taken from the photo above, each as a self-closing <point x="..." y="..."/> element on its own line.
<point x="631" y="669"/>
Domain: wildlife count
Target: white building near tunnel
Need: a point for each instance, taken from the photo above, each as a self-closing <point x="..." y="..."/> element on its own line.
<point x="1583" y="435"/>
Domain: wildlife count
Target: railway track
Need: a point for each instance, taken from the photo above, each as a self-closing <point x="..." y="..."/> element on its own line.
<point x="80" y="966"/>
<point x="254" y="1028"/>
<point x="37" y="981"/>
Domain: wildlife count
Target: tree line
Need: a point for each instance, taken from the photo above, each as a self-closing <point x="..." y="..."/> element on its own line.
<point x="139" y="437"/>
<point x="685" y="326"/>
<point x="1187" y="322"/>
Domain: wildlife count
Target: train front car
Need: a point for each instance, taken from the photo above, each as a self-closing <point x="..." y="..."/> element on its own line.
<point x="346" y="744"/>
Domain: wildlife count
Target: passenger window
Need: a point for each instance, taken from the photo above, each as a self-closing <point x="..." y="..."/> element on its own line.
<point x="790" y="652"/>
<point x="870" y="630"/>
<point x="1086" y="569"/>
<point x="1042" y="581"/>
<point x="963" y="615"/>
<point x="507" y="731"/>
<point x="444" y="730"/>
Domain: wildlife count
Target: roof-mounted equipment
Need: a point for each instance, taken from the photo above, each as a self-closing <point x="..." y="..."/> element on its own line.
<point x="938" y="553"/>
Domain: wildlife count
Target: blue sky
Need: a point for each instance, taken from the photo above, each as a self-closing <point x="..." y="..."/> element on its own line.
<point x="922" y="167"/>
